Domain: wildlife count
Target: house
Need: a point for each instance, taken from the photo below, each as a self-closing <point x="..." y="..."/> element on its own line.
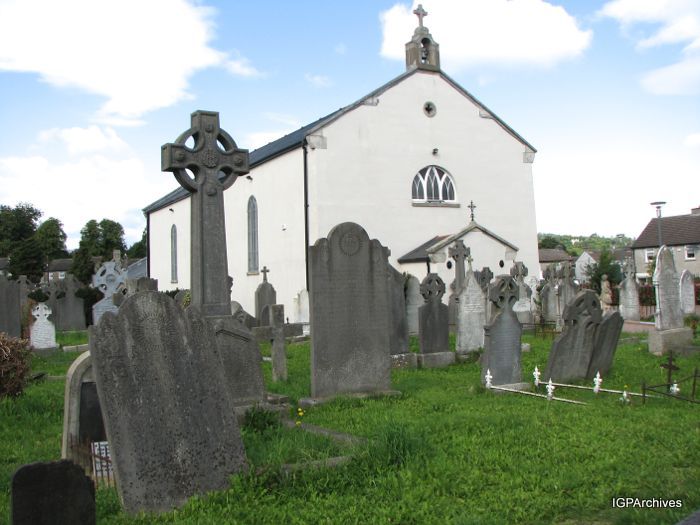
<point x="549" y="256"/>
<point x="58" y="269"/>
<point x="586" y="259"/>
<point x="681" y="233"/>
<point x="410" y="162"/>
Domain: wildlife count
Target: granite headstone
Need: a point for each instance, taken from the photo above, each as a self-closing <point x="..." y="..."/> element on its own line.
<point x="414" y="300"/>
<point x="605" y="344"/>
<point x="43" y="331"/>
<point x="629" y="293"/>
<point x="687" y="292"/>
<point x="471" y="316"/>
<point x="398" y="339"/>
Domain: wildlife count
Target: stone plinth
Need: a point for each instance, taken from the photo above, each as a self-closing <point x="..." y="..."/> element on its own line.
<point x="436" y="360"/>
<point x="408" y="360"/>
<point x="675" y="339"/>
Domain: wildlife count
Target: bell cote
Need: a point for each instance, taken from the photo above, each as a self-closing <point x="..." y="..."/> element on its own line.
<point x="422" y="51"/>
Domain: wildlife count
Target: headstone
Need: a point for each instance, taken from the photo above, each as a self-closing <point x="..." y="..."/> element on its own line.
<point x="568" y="288"/>
<point x="265" y="295"/>
<point x="522" y="307"/>
<point x="242" y="316"/>
<point x="549" y="296"/>
<point x="471" y="315"/>
<point x="433" y="322"/>
<point x="82" y="415"/>
<point x="166" y="400"/>
<point x="398" y="338"/>
<point x="414" y="300"/>
<point x="72" y="308"/>
<point x="183" y="296"/>
<point x="459" y="252"/>
<point x="502" y="347"/>
<point x="670" y="334"/>
<point x="687" y="293"/>
<point x="55" y="493"/>
<point x="532" y="282"/>
<point x="605" y="344"/>
<point x="279" y="355"/>
<point x="110" y="279"/>
<point x="629" y="293"/>
<point x="43" y="332"/>
<point x="216" y="163"/>
<point x="9" y="307"/>
<point x="572" y="350"/>
<point x="350" y="315"/>
<point x="484" y="277"/>
<point x="301" y="304"/>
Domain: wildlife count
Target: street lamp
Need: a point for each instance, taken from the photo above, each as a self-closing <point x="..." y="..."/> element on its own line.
<point x="658" y="205"/>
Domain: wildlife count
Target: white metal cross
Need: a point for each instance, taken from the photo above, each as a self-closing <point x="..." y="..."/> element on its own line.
<point x="536" y="374"/>
<point x="597" y="381"/>
<point x="550" y="390"/>
<point x="488" y="378"/>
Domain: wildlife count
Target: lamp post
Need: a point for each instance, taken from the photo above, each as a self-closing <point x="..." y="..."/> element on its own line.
<point x="658" y="205"/>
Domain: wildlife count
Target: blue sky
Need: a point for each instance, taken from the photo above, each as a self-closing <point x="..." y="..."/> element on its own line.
<point x="607" y="91"/>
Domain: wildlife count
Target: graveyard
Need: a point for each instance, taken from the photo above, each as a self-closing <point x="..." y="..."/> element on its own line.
<point x="445" y="451"/>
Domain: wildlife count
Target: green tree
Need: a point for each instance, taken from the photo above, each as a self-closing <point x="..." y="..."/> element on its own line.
<point x="605" y="266"/>
<point x="16" y="225"/>
<point x="549" y="241"/>
<point x="97" y="239"/>
<point x="82" y="267"/>
<point x="27" y="259"/>
<point x="51" y="239"/>
<point x="111" y="238"/>
<point x="140" y="248"/>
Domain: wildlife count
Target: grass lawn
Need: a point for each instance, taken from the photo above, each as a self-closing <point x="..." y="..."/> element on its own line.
<point x="445" y="451"/>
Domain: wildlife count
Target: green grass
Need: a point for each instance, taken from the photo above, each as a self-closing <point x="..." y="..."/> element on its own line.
<point x="72" y="338"/>
<point x="445" y="451"/>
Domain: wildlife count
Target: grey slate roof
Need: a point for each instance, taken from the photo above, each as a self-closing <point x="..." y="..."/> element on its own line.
<point x="296" y="138"/>
<point x="549" y="255"/>
<point x="675" y="231"/>
<point x="60" y="265"/>
<point x="420" y="254"/>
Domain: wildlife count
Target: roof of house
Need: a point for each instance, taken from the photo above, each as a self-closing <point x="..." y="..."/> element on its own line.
<point x="296" y="138"/>
<point x="550" y="255"/>
<point x="676" y="230"/>
<point x="420" y="254"/>
<point x="60" y="265"/>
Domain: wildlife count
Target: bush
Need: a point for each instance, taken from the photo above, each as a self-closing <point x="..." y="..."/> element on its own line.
<point x="14" y="365"/>
<point x="647" y="296"/>
<point x="260" y="420"/>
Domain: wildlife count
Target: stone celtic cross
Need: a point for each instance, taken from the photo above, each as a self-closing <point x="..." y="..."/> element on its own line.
<point x="432" y="288"/>
<point x="216" y="163"/>
<point x="459" y="253"/>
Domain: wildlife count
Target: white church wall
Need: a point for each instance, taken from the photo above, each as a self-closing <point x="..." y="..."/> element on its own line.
<point x="374" y="151"/>
<point x="161" y="222"/>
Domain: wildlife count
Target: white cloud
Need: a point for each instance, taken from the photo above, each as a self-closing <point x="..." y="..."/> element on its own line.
<point x="692" y="140"/>
<point x="85" y="140"/>
<point x="489" y="32"/>
<point x="318" y="81"/>
<point x="138" y="55"/>
<point x="242" y="68"/>
<point x="664" y="22"/>
<point x="78" y="190"/>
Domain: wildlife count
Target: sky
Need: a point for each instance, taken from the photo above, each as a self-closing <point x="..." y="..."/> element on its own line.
<point x="607" y="91"/>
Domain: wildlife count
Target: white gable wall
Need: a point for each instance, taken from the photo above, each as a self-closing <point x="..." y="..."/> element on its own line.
<point x="160" y="224"/>
<point x="373" y="153"/>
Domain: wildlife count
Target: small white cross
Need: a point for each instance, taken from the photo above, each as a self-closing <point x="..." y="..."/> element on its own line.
<point x="550" y="390"/>
<point x="674" y="390"/>
<point x="597" y="381"/>
<point x="488" y="378"/>
<point x="625" y="397"/>
<point x="536" y="374"/>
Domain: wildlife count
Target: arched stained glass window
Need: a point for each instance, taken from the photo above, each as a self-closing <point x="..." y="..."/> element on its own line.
<point x="252" y="234"/>
<point x="433" y="184"/>
<point x="173" y="254"/>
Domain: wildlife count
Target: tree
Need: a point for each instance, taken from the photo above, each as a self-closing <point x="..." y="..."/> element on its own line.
<point x="16" y="225"/>
<point x="27" y="259"/>
<point x="82" y="267"/>
<point x="604" y="266"/>
<point x="51" y="239"/>
<point x="140" y="248"/>
<point x="111" y="238"/>
<point x="549" y="241"/>
<point x="97" y="239"/>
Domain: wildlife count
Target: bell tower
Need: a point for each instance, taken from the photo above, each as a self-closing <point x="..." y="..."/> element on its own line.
<point x="422" y="51"/>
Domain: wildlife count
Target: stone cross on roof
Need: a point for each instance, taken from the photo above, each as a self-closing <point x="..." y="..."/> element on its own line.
<point x="420" y="13"/>
<point x="214" y="153"/>
<point x="472" y="207"/>
<point x="264" y="271"/>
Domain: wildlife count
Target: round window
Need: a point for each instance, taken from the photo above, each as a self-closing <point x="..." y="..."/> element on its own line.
<point x="429" y="109"/>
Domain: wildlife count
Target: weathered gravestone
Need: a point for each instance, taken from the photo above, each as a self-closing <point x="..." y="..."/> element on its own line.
<point x="471" y="315"/>
<point x="279" y="354"/>
<point x="433" y="322"/>
<point x="110" y="279"/>
<point x="522" y="306"/>
<point x="629" y="293"/>
<point x="572" y="350"/>
<point x="301" y="307"/>
<point x="605" y="343"/>
<point x="502" y="350"/>
<point x="82" y="415"/>
<point x="687" y="293"/>
<point x="414" y="300"/>
<point x="72" y="309"/>
<point x="166" y="400"/>
<point x="265" y="295"/>
<point x="55" y="493"/>
<point x="398" y="338"/>
<point x="216" y="163"/>
<point x="549" y="296"/>
<point x="350" y="315"/>
<point x="9" y="307"/>
<point x="670" y="334"/>
<point x="183" y="298"/>
<point x="459" y="252"/>
<point x="43" y="332"/>
<point x="242" y="316"/>
<point x="140" y="284"/>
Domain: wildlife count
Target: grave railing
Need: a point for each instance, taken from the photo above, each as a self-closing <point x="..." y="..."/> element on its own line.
<point x="672" y="390"/>
<point x="95" y="459"/>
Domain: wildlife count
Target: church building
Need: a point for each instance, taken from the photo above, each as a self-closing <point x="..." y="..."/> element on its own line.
<point x="418" y="163"/>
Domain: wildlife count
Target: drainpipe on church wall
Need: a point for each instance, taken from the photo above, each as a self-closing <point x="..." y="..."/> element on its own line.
<point x="306" y="213"/>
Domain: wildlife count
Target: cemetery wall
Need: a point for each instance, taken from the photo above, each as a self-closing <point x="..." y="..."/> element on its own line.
<point x="488" y="169"/>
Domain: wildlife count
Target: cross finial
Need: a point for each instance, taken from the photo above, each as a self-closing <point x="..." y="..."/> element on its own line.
<point x="469" y="261"/>
<point x="472" y="207"/>
<point x="264" y="271"/>
<point x="420" y="13"/>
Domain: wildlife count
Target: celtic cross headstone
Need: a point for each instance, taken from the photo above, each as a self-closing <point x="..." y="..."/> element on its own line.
<point x="109" y="279"/>
<point x="432" y="316"/>
<point x="216" y="163"/>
